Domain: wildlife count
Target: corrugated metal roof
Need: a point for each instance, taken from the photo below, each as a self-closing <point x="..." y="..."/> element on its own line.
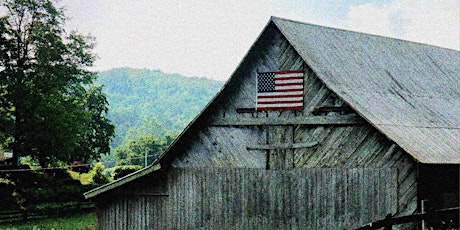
<point x="408" y="91"/>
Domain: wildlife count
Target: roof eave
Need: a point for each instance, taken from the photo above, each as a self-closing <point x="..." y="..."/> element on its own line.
<point x="104" y="188"/>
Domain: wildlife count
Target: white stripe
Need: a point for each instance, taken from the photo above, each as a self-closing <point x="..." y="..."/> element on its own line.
<point x="289" y="87"/>
<point x="299" y="81"/>
<point x="297" y="93"/>
<point x="279" y="105"/>
<point x="289" y="75"/>
<point x="280" y="99"/>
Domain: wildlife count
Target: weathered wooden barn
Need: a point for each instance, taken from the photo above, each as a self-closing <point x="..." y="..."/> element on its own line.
<point x="378" y="132"/>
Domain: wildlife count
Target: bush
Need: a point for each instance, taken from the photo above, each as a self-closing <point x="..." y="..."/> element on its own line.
<point x="121" y="171"/>
<point x="7" y="201"/>
<point x="98" y="174"/>
<point x="30" y="189"/>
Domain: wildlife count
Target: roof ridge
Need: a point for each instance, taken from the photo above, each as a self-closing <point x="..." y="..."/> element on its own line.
<point x="275" y="18"/>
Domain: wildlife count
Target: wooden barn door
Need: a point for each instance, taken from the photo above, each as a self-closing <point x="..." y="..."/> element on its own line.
<point x="280" y="154"/>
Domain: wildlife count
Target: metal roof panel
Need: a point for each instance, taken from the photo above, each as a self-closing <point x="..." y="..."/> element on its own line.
<point x="409" y="91"/>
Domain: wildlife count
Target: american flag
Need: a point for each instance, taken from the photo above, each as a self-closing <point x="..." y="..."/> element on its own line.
<point x="282" y="90"/>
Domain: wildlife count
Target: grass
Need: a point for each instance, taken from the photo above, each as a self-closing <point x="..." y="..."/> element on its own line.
<point x="80" y="221"/>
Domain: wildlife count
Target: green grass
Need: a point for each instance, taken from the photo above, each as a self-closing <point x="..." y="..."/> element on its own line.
<point x="81" y="221"/>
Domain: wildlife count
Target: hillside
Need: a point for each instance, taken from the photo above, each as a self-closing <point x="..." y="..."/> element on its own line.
<point x="152" y="102"/>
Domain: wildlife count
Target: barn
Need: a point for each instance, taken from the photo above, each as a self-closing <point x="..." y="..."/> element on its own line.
<point x="375" y="131"/>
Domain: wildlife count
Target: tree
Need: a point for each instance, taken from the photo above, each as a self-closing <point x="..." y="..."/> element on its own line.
<point x="96" y="137"/>
<point x="134" y="152"/>
<point x="51" y="109"/>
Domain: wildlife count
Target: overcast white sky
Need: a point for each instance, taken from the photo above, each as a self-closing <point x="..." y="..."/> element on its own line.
<point x="208" y="38"/>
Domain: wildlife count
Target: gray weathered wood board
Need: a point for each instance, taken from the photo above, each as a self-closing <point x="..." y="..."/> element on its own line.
<point x="224" y="147"/>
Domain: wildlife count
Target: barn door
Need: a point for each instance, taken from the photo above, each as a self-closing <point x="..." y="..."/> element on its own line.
<point x="280" y="155"/>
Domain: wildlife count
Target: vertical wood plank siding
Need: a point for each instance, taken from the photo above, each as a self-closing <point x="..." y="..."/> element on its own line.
<point x="134" y="212"/>
<point x="346" y="146"/>
<point x="219" y="198"/>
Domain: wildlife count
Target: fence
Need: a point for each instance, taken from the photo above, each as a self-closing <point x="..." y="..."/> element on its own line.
<point x="37" y="212"/>
<point x="439" y="219"/>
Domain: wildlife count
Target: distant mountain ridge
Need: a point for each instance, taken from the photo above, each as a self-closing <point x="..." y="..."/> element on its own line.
<point x="143" y="101"/>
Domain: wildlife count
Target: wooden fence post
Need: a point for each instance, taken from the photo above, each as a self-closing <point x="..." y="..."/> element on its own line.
<point x="423" y="204"/>
<point x="24" y="215"/>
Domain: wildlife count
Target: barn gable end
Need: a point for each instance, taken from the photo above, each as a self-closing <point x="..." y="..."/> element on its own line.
<point x="231" y="115"/>
<point x="325" y="166"/>
<point x="340" y="139"/>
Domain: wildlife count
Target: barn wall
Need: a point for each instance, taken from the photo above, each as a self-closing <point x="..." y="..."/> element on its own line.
<point x="139" y="204"/>
<point x="224" y="147"/>
<point x="227" y="137"/>
<point x="133" y="212"/>
<point x="223" y="198"/>
<point x="360" y="146"/>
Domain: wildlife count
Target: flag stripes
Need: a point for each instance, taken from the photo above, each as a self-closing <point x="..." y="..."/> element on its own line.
<point x="282" y="90"/>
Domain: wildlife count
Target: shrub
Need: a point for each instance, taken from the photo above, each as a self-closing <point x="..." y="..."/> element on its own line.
<point x="7" y="201"/>
<point x="30" y="189"/>
<point x="121" y="171"/>
<point x="98" y="174"/>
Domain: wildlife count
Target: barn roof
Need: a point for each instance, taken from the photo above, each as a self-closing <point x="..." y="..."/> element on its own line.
<point x="409" y="91"/>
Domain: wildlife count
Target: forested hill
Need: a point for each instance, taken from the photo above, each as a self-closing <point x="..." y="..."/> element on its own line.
<point x="145" y="101"/>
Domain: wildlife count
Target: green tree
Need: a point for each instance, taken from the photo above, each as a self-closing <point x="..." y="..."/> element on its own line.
<point x="50" y="109"/>
<point x="135" y="151"/>
<point x="98" y="132"/>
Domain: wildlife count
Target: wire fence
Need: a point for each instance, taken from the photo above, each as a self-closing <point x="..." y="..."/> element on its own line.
<point x="62" y="167"/>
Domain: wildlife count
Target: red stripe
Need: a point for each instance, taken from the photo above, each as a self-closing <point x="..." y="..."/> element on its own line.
<point x="287" y="78"/>
<point x="281" y="108"/>
<point x="289" y="90"/>
<point x="287" y="84"/>
<point x="280" y="96"/>
<point x="278" y="102"/>
<point x="289" y="71"/>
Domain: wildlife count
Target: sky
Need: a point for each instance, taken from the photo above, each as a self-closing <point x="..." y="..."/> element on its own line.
<point x="208" y="38"/>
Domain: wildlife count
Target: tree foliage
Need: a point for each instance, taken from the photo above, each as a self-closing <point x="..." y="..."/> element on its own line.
<point x="150" y="102"/>
<point x="96" y="137"/>
<point x="135" y="151"/>
<point x="50" y="108"/>
<point x="121" y="171"/>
